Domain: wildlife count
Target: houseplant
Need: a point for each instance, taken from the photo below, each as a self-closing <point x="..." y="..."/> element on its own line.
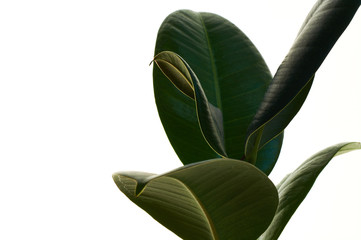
<point x="218" y="102"/>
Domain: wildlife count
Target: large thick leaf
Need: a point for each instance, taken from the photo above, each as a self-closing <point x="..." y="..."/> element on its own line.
<point x="232" y="73"/>
<point x="292" y="81"/>
<point x="210" y="200"/>
<point x="209" y="117"/>
<point x="295" y="186"/>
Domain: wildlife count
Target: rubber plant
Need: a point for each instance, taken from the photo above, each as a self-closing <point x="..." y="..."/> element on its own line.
<point x="224" y="115"/>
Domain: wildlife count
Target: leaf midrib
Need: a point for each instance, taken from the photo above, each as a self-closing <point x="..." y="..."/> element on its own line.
<point x="214" y="68"/>
<point x="203" y="209"/>
<point x="209" y="220"/>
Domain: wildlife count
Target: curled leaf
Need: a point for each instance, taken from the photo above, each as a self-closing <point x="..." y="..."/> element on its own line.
<point x="209" y="117"/>
<point x="293" y="79"/>
<point x="211" y="200"/>
<point x="295" y="186"/>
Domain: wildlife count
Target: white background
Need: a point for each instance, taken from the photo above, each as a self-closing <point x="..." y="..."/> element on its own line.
<point x="76" y="105"/>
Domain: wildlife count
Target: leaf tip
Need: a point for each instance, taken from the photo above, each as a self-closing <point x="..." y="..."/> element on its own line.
<point x="151" y="62"/>
<point x="121" y="179"/>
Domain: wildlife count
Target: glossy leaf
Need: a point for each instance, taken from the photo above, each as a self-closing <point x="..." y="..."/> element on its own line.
<point x="213" y="199"/>
<point x="294" y="187"/>
<point x="209" y="117"/>
<point x="232" y="73"/>
<point x="292" y="81"/>
<point x="265" y="162"/>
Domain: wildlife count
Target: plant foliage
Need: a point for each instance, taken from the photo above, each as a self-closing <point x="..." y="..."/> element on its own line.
<point x="224" y="115"/>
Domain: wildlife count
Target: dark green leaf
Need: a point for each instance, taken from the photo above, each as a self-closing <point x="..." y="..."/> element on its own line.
<point x="273" y="148"/>
<point x="289" y="88"/>
<point x="233" y="76"/>
<point x="211" y="200"/>
<point x="295" y="186"/>
<point x="209" y="117"/>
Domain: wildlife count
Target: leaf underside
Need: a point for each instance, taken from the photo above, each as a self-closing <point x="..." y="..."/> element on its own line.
<point x="292" y="81"/>
<point x="209" y="117"/>
<point x="214" y="199"/>
<point x="295" y="186"/>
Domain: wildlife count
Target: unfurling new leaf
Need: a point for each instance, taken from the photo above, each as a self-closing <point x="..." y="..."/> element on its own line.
<point x="215" y="199"/>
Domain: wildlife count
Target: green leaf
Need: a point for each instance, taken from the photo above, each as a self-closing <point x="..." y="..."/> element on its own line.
<point x="292" y="81"/>
<point x="209" y="117"/>
<point x="176" y="71"/>
<point x="295" y="186"/>
<point x="211" y="200"/>
<point x="264" y="162"/>
<point x="232" y="73"/>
